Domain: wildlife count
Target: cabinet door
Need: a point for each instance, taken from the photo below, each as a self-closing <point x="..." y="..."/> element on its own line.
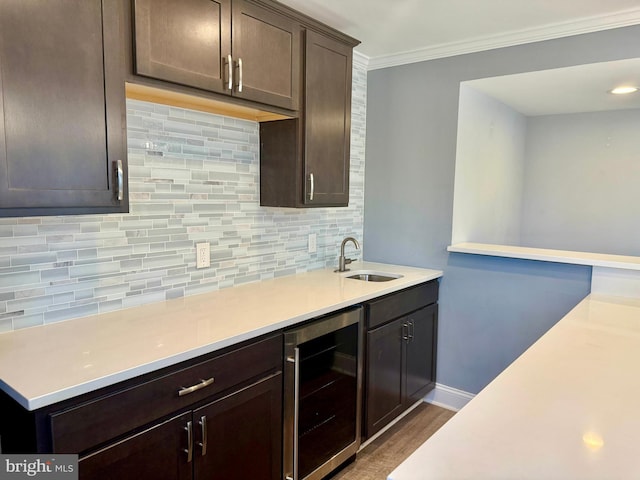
<point x="240" y="435"/>
<point x="327" y="120"/>
<point x="266" y="54"/>
<point x="185" y="42"/>
<point x="421" y="352"/>
<point x="385" y="374"/>
<point x="62" y="107"/>
<point x="157" y="453"/>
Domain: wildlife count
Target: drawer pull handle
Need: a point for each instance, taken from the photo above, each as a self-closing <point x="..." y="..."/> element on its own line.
<point x="203" y="427"/>
<point x="189" y="449"/>
<point x="187" y="390"/>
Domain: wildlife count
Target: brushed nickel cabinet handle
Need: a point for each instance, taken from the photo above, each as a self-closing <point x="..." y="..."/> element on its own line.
<point x="240" y="75"/>
<point x="230" y="67"/>
<point x="189" y="449"/>
<point x="203" y="429"/>
<point x="312" y="186"/>
<point x="411" y="329"/>
<point x="203" y="383"/>
<point x="290" y="450"/>
<point x="120" y="180"/>
<point x="296" y="412"/>
<point x="405" y="327"/>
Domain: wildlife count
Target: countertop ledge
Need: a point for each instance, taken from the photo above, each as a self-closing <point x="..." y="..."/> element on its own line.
<point x="565" y="409"/>
<point x="43" y="365"/>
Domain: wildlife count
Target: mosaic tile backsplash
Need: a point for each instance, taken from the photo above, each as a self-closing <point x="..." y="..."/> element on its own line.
<point x="193" y="177"/>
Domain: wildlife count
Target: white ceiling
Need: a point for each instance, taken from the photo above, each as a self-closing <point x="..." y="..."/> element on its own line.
<point x="581" y="88"/>
<point x="403" y="31"/>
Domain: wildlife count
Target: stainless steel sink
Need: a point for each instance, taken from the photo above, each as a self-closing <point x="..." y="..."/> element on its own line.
<point x="368" y="276"/>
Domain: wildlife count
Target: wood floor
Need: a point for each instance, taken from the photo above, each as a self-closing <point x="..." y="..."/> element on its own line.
<point x="382" y="456"/>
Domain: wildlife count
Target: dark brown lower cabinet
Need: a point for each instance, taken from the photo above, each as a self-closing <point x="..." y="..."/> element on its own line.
<point x="156" y="453"/>
<point x="400" y="354"/>
<point x="243" y="434"/>
<point x="218" y="416"/>
<point x="386" y="364"/>
<point x="420" y="350"/>
<point x="236" y="436"/>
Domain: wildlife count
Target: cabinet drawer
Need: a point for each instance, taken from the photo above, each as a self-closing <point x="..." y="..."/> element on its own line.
<point x="82" y="427"/>
<point x="398" y="304"/>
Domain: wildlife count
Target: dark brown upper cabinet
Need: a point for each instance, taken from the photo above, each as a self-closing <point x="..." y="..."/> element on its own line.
<point x="62" y="108"/>
<point x="185" y="42"/>
<point x="304" y="162"/>
<point x="232" y="47"/>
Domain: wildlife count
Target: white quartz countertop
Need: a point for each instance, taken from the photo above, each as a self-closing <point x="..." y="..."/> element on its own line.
<point x="46" y="364"/>
<point x="567" y="408"/>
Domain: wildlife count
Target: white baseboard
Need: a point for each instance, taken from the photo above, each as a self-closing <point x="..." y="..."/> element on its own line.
<point x="441" y="396"/>
<point x="448" y="397"/>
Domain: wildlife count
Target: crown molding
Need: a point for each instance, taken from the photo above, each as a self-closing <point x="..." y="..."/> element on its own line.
<point x="547" y="32"/>
<point x="360" y="59"/>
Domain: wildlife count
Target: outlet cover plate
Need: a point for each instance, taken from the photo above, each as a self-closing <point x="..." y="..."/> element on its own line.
<point x="312" y="243"/>
<point x="203" y="255"/>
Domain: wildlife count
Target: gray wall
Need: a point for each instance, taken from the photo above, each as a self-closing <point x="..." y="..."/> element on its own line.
<point x="582" y="175"/>
<point x="489" y="175"/>
<point x="491" y="309"/>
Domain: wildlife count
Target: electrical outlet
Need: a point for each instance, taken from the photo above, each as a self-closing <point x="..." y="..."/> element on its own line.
<point x="203" y="255"/>
<point x="312" y="243"/>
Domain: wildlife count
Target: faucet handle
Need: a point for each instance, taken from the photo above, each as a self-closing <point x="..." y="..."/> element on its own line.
<point x="343" y="262"/>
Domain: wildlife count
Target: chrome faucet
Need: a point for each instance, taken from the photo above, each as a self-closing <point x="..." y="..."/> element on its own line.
<point x="343" y="262"/>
